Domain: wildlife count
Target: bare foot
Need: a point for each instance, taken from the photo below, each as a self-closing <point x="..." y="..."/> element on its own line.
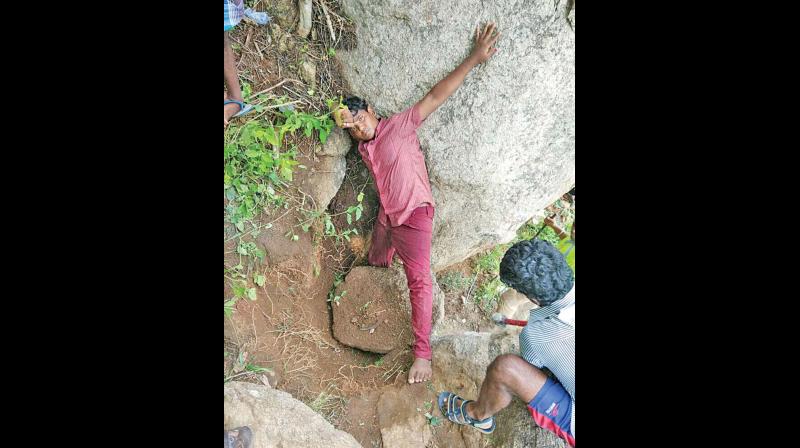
<point x="420" y="371"/>
<point x="231" y="109"/>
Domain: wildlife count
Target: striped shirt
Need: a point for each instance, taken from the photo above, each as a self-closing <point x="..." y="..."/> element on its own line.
<point x="396" y="162"/>
<point x="234" y="10"/>
<point x="548" y="340"/>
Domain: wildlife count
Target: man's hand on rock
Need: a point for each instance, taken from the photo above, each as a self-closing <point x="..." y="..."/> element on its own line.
<point x="484" y="42"/>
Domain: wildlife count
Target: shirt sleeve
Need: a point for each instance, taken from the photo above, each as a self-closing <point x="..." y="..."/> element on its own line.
<point x="408" y="121"/>
<point x="527" y="352"/>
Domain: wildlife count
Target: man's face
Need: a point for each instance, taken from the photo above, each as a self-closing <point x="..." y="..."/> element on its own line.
<point x="362" y="125"/>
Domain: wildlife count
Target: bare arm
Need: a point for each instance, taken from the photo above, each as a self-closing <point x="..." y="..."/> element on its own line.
<point x="443" y="89"/>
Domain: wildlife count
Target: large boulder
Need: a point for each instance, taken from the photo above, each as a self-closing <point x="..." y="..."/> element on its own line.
<point x="401" y="418"/>
<point x="459" y="365"/>
<point x="373" y="312"/>
<point x="325" y="179"/>
<point x="278" y="420"/>
<point x="327" y="170"/>
<point x="503" y="146"/>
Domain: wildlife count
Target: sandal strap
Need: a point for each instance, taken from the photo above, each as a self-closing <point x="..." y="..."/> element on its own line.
<point x="457" y="411"/>
<point x="458" y="414"/>
<point x="459" y="418"/>
<point x="239" y="103"/>
<point x="448" y="407"/>
<point x="469" y="419"/>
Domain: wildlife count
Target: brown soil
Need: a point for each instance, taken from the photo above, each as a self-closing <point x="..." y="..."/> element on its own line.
<point x="288" y="327"/>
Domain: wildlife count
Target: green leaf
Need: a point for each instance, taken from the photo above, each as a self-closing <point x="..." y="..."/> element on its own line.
<point x="286" y="173"/>
<point x="257" y="369"/>
<point x="360" y="196"/>
<point x="259" y="253"/>
<point x="230" y="194"/>
<point x="274" y="178"/>
<point x="259" y="279"/>
<point x="251" y="293"/>
<point x="271" y="137"/>
<point x="239" y="291"/>
<point x="230" y="149"/>
<point x="349" y="219"/>
<point x="295" y="237"/>
<point x="246" y="90"/>
<point x="358" y="213"/>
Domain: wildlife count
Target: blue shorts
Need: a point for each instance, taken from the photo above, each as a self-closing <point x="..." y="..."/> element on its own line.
<point x="551" y="409"/>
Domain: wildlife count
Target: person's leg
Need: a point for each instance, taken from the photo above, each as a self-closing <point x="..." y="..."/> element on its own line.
<point x="507" y="376"/>
<point x="381" y="250"/>
<point x="233" y="92"/>
<point x="510" y="375"/>
<point x="413" y="243"/>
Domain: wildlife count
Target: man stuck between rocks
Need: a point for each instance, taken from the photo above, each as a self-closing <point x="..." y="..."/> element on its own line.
<point x="390" y="149"/>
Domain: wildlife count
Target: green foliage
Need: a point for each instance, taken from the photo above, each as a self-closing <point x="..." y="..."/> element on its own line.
<point x="257" y="164"/>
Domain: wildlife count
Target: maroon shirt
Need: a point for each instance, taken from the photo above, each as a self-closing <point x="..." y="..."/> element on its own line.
<point x="398" y="167"/>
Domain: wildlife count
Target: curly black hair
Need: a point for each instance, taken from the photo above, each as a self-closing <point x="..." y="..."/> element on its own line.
<point x="538" y="270"/>
<point x="355" y="104"/>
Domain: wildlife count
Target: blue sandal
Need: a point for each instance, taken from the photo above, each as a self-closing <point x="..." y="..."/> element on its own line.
<point x="243" y="108"/>
<point x="459" y="416"/>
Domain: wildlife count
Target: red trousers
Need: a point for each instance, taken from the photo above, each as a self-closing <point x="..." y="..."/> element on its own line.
<point x="412" y="241"/>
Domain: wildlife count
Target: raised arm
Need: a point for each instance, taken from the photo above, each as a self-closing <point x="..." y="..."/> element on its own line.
<point x="483" y="50"/>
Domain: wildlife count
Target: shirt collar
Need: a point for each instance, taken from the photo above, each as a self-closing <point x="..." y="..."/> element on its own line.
<point x="370" y="144"/>
<point x="555" y="307"/>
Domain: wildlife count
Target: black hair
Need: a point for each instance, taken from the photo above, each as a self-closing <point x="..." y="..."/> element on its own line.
<point x="538" y="270"/>
<point x="355" y="104"/>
